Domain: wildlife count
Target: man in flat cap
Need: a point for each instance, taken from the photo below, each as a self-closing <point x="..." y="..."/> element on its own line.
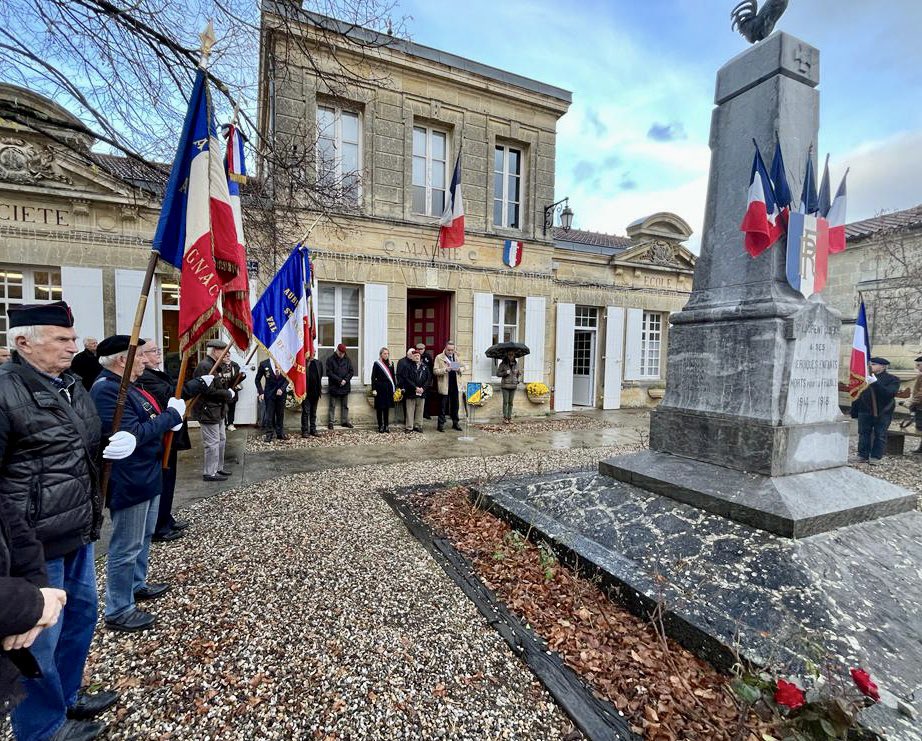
<point x="211" y="409"/>
<point x="135" y="483"/>
<point x="49" y="441"/>
<point x="874" y="411"/>
<point x="915" y="401"/>
<point x="162" y="387"/>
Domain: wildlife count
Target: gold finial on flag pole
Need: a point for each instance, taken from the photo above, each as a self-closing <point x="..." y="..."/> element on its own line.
<point x="208" y="40"/>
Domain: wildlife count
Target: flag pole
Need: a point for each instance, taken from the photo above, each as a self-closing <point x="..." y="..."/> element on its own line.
<point x="129" y="364"/>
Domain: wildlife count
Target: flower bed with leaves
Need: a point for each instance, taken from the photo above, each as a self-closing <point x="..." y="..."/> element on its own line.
<point x="666" y="692"/>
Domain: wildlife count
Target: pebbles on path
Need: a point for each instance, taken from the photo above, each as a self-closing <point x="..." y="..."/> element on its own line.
<point x="302" y="608"/>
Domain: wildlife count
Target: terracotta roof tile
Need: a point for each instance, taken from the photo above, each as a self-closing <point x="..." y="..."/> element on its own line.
<point x="592" y="239"/>
<point x="139" y="174"/>
<point x="910" y="218"/>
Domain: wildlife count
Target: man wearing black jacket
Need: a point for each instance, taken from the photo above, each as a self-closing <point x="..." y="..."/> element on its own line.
<point x="339" y="379"/>
<point x="162" y="387"/>
<point x="49" y="440"/>
<point x="311" y="398"/>
<point x="272" y="390"/>
<point x="85" y="363"/>
<point x="874" y="411"/>
<point x="211" y="410"/>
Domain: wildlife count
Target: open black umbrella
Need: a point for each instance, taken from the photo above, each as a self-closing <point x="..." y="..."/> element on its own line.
<point x="501" y="349"/>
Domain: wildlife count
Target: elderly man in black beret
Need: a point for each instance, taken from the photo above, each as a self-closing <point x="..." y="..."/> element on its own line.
<point x="49" y="441"/>
<point x="874" y="411"/>
<point x="211" y="409"/>
<point x="134" y="489"/>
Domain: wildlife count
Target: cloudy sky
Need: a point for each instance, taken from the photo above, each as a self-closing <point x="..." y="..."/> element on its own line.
<point x="642" y="77"/>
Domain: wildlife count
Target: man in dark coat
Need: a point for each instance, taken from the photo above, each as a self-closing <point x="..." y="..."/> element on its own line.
<point x="211" y="410"/>
<point x="311" y="398"/>
<point x="85" y="363"/>
<point x="49" y="443"/>
<point x="272" y="390"/>
<point x="232" y="404"/>
<point x="162" y="387"/>
<point x="27" y="604"/>
<point x="339" y="379"/>
<point x="133" y="494"/>
<point x="413" y="377"/>
<point x="874" y="411"/>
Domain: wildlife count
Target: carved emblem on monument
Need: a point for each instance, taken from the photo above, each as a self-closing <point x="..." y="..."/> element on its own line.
<point x="25" y="162"/>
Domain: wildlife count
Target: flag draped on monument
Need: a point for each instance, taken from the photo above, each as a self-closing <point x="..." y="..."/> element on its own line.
<point x="451" y="229"/>
<point x="858" y="376"/>
<point x="196" y="232"/>
<point x="281" y="316"/>
<point x="761" y="224"/>
<point x="235" y="303"/>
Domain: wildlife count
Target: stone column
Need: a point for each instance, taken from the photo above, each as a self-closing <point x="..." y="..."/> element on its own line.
<point x="752" y="366"/>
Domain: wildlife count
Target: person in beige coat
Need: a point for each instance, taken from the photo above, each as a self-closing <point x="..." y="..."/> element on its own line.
<point x="448" y="371"/>
<point x="915" y="401"/>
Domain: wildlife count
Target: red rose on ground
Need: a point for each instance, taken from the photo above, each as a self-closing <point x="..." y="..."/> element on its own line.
<point x="789" y="695"/>
<point x="866" y="684"/>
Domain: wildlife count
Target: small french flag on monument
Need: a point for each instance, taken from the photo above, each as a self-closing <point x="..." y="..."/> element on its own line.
<point x="512" y="253"/>
<point x="761" y="225"/>
<point x="451" y="230"/>
<point x="836" y="219"/>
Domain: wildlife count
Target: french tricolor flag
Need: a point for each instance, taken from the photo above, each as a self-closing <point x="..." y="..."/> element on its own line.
<point x="280" y="319"/>
<point x="836" y="219"/>
<point x="859" y="376"/>
<point x="196" y="231"/>
<point x="451" y="229"/>
<point x="512" y="253"/>
<point x="761" y="224"/>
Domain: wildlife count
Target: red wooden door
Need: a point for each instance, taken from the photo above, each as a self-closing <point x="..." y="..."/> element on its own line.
<point x="428" y="321"/>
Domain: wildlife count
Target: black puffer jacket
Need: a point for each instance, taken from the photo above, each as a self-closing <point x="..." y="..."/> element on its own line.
<point x="212" y="406"/>
<point x="48" y="450"/>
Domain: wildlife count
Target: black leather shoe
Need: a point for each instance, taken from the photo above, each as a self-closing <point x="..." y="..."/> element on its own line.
<point x="282" y="437"/>
<point x="348" y="424"/>
<point x="224" y="473"/>
<point x="305" y="434"/>
<point x="417" y="429"/>
<point x="206" y="477"/>
<point x="456" y="426"/>
<point x="440" y="428"/>
<point x="89" y="706"/>
<point x="314" y="433"/>
<point x="151" y="591"/>
<point x="270" y="437"/>
<point x="168" y="536"/>
<point x="78" y="730"/>
<point x="131" y="622"/>
<point x="330" y="426"/>
<point x="180" y="524"/>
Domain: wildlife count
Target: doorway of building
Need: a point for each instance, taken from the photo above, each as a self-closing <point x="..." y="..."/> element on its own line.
<point x="584" y="355"/>
<point x="428" y="321"/>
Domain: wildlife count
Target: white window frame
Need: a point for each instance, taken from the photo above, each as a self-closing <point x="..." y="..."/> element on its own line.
<point x="337" y="139"/>
<point x="427" y="157"/>
<point x="651" y="344"/>
<point x="354" y="351"/>
<point x="503" y="196"/>
<point x="497" y="328"/>
<point x="29" y="290"/>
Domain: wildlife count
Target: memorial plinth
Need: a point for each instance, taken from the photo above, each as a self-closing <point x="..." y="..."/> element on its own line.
<point x="752" y="366"/>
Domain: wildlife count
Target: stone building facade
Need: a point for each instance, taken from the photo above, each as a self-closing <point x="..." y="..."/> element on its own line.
<point x="594" y="309"/>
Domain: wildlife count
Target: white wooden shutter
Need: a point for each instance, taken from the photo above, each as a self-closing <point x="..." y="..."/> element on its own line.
<point x="81" y="288"/>
<point x="374" y="334"/>
<point x="127" y="290"/>
<point x="632" y="345"/>
<point x="535" y="322"/>
<point x="563" y="368"/>
<point x="483" y="337"/>
<point x="614" y="350"/>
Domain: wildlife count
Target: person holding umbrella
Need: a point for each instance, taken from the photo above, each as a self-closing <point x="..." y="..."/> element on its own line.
<point x="509" y="371"/>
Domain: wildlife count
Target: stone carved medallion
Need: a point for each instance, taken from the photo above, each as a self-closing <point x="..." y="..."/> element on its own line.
<point x="662" y="253"/>
<point x="25" y="162"/>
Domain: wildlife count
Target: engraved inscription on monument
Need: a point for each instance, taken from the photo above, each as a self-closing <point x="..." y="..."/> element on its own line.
<point x="813" y="374"/>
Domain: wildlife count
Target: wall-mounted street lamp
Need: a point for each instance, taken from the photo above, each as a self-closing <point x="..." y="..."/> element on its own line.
<point x="561" y="208"/>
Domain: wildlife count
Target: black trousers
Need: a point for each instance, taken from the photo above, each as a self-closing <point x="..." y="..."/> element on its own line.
<point x="309" y="415"/>
<point x="165" y="519"/>
<point x="274" y="416"/>
<point x="383" y="416"/>
<point x="449" y="407"/>
<point x="231" y="408"/>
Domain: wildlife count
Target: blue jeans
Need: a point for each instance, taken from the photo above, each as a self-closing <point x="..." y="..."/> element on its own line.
<point x="60" y="650"/>
<point x="872" y="434"/>
<point x="126" y="567"/>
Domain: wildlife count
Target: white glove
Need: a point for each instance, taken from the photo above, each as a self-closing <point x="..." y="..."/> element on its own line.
<point x="121" y="445"/>
<point x="208" y="379"/>
<point x="180" y="406"/>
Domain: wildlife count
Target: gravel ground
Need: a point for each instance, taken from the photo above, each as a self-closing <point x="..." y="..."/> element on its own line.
<point x="545" y="424"/>
<point x="337" y="437"/>
<point x="302" y="608"/>
<point x="902" y="470"/>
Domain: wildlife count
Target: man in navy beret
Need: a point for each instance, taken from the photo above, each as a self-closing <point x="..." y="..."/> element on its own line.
<point x="874" y="411"/>
<point x="49" y="440"/>
<point x="135" y="485"/>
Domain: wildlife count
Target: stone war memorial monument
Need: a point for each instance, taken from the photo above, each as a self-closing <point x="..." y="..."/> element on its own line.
<point x="743" y="519"/>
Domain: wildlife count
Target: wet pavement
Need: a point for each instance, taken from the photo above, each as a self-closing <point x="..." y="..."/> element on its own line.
<point x="619" y="427"/>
